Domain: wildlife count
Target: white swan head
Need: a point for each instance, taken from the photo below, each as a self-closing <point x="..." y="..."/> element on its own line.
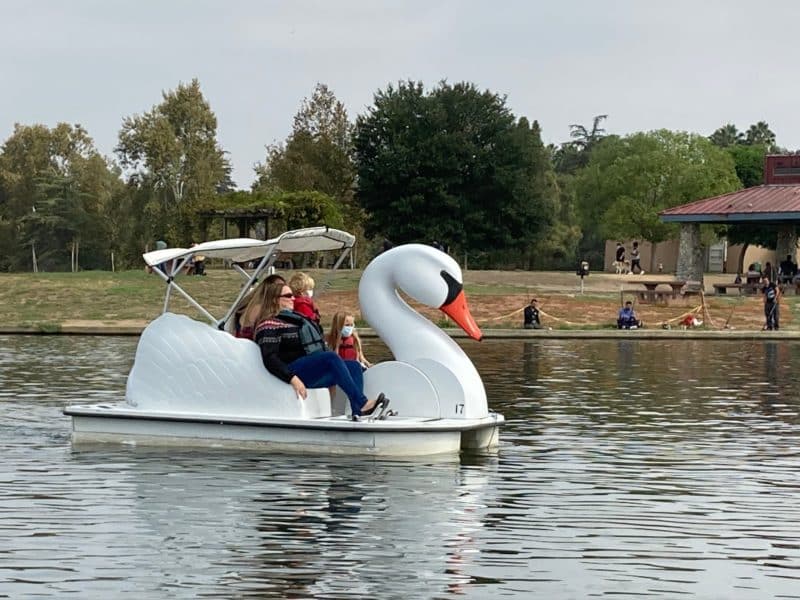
<point x="430" y="277"/>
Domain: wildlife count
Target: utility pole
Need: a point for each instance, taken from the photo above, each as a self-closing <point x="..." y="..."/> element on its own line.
<point x="33" y="247"/>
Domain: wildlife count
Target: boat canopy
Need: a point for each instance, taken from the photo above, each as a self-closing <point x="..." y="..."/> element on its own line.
<point x="170" y="262"/>
<point x="312" y="239"/>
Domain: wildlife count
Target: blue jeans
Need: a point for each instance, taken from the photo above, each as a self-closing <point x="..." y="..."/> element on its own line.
<point x="324" y="369"/>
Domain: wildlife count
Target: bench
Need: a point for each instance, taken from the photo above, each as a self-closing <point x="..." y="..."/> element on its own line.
<point x="791" y="288"/>
<point x="744" y="288"/>
<point x="675" y="284"/>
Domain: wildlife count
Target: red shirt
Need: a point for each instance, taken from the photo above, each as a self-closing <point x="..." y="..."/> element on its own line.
<point x="347" y="348"/>
<point x="244" y="332"/>
<point x="306" y="307"/>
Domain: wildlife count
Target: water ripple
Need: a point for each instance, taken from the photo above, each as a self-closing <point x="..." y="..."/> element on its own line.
<point x="627" y="469"/>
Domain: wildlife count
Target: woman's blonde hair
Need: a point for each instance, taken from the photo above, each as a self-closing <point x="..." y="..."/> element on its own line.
<point x="301" y="282"/>
<point x="264" y="303"/>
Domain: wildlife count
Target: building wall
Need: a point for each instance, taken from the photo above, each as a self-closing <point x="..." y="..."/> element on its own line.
<point x="783" y="169"/>
<point x="755" y="254"/>
<point x="667" y="255"/>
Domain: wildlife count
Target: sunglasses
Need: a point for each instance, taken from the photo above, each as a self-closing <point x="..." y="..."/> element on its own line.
<point x="286" y="296"/>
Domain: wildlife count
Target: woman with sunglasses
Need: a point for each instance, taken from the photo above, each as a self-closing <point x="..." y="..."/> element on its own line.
<point x="249" y="308"/>
<point x="279" y="338"/>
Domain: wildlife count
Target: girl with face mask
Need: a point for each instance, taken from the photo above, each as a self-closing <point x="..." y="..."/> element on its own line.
<point x="344" y="340"/>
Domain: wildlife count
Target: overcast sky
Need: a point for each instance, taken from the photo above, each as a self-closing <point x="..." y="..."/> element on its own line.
<point x="685" y="64"/>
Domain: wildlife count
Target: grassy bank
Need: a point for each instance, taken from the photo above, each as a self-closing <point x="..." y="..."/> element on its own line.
<point x="45" y="300"/>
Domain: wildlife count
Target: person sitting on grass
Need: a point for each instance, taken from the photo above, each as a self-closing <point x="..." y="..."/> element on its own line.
<point x="627" y="318"/>
<point x="531" y="316"/>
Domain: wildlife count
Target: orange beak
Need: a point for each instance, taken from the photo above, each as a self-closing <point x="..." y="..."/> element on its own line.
<point x="459" y="312"/>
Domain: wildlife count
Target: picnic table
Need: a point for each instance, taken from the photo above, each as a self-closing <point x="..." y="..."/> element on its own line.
<point x="675" y="284"/>
<point x="651" y="293"/>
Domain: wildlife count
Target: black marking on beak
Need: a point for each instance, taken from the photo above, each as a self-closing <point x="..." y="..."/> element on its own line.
<point x="453" y="287"/>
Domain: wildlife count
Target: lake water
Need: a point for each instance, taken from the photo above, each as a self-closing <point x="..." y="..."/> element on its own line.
<point x="627" y="469"/>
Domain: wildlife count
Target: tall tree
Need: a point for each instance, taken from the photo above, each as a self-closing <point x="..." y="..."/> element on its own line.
<point x="574" y="155"/>
<point x="317" y="156"/>
<point x="54" y="188"/>
<point x="759" y="134"/>
<point x="584" y="138"/>
<point x="630" y="180"/>
<point x="453" y="165"/>
<point x="174" y="148"/>
<point x="749" y="163"/>
<point x="727" y="135"/>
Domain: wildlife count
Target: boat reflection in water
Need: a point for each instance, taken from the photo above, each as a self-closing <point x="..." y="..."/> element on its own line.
<point x="291" y="526"/>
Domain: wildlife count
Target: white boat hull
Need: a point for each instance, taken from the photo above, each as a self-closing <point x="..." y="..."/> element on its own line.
<point x="396" y="436"/>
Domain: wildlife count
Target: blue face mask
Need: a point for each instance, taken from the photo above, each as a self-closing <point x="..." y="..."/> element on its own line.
<point x="347" y="330"/>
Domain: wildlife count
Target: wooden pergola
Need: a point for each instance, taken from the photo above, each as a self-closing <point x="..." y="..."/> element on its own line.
<point x="248" y="221"/>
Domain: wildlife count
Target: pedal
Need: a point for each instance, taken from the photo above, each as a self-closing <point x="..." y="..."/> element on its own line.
<point x="384" y="409"/>
<point x="387" y="414"/>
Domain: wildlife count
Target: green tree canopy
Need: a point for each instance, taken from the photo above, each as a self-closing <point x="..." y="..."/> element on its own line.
<point x="574" y="155"/>
<point x="55" y="194"/>
<point x="295" y="209"/>
<point x="630" y="180"/>
<point x="727" y="135"/>
<point x="749" y="163"/>
<point x="317" y="154"/>
<point x="454" y="165"/>
<point x="758" y="134"/>
<point x="173" y="150"/>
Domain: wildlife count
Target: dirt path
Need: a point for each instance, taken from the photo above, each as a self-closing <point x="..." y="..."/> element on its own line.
<point x="496" y="299"/>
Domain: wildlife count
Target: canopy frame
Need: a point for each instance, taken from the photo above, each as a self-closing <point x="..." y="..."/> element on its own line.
<point x="170" y="262"/>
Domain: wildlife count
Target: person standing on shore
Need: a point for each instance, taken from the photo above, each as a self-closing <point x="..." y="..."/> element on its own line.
<point x="772" y="296"/>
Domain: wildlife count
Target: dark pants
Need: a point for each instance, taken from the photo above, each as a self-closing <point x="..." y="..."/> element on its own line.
<point x="771" y="312"/>
<point x="324" y="369"/>
<point x="628" y="323"/>
<point x="532" y="325"/>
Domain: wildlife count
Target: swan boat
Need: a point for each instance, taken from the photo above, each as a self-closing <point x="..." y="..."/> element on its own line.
<point x="193" y="383"/>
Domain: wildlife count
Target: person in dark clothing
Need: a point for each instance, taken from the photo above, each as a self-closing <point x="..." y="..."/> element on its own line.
<point x="753" y="276"/>
<point x="787" y="270"/>
<point x="283" y="353"/>
<point x="768" y="274"/>
<point x="531" y="320"/>
<point x="636" y="260"/>
<point x="620" y="253"/>
<point x="772" y="295"/>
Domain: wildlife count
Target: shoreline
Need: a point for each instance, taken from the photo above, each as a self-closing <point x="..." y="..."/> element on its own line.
<point x="117" y="329"/>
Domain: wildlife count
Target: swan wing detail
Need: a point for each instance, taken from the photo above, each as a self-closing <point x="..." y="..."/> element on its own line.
<point x="184" y="366"/>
